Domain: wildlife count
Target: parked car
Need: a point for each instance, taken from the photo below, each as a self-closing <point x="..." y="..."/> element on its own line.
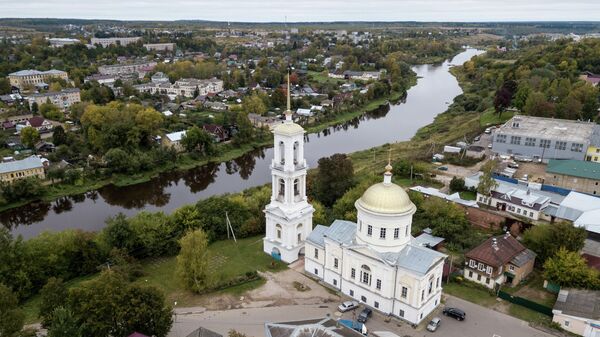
<point x="513" y="165"/>
<point x="434" y="324"/>
<point x="488" y="130"/>
<point x="477" y="138"/>
<point x="443" y="168"/>
<point x="455" y="313"/>
<point x="364" y="315"/>
<point x="348" y="305"/>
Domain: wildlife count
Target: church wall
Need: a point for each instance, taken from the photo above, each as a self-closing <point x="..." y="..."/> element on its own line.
<point x="314" y="268"/>
<point x="357" y="292"/>
<point x="416" y="315"/>
<point x="390" y="223"/>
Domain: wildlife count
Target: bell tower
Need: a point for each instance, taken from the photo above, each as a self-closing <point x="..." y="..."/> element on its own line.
<point x="289" y="215"/>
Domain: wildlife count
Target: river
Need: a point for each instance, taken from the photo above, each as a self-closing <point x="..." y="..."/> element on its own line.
<point x="434" y="91"/>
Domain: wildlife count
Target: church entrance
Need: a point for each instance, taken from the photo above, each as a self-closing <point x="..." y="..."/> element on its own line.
<point x="301" y="253"/>
<point x="276" y="254"/>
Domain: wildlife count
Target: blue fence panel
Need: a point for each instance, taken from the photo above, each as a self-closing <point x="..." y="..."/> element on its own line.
<point x="555" y="189"/>
<point x="507" y="179"/>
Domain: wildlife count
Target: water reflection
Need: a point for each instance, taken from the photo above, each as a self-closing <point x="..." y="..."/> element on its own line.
<point x="389" y="123"/>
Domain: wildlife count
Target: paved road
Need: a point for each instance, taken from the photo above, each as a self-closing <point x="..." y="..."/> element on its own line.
<point x="480" y="322"/>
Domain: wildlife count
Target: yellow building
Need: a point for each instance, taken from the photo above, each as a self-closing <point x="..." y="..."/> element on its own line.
<point x="30" y="78"/>
<point x="593" y="154"/>
<point x="20" y="169"/>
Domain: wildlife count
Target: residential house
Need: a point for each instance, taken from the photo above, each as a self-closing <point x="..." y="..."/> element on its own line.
<point x="159" y="77"/>
<point x="517" y="200"/>
<point x="304" y="112"/>
<point x="123" y="41"/>
<point x="140" y="67"/>
<point x="159" y="46"/>
<point x="11" y="99"/>
<point x="57" y="42"/>
<point x="590" y="78"/>
<point x="40" y="123"/>
<point x="578" y="311"/>
<point x="497" y="261"/>
<point x="61" y="99"/>
<point x="20" y="169"/>
<point x="216" y="106"/>
<point x="186" y="87"/>
<point x="576" y="175"/>
<point x="217" y="131"/>
<point x="173" y="140"/>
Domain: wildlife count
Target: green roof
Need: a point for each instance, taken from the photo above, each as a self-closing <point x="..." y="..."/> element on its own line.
<point x="575" y="168"/>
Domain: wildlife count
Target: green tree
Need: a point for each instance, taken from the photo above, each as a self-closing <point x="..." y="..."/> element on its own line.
<point x="569" y="269"/>
<point x="5" y="86"/>
<point x="537" y="105"/>
<point x="59" y="137"/>
<point x="18" y="190"/>
<point x="547" y="239"/>
<point x="193" y="266"/>
<point x="521" y="96"/>
<point x="254" y="104"/>
<point x="29" y="136"/>
<point x="278" y="98"/>
<point x="64" y="324"/>
<point x="117" y="160"/>
<point x="487" y="182"/>
<point x="198" y="140"/>
<point x="50" y="111"/>
<point x="335" y="177"/>
<point x="245" y="132"/>
<point x="54" y="295"/>
<point x="457" y="184"/>
<point x="143" y="310"/>
<point x="11" y="317"/>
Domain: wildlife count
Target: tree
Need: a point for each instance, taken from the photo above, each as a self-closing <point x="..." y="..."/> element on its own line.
<point x="537" y="105"/>
<point x="21" y="189"/>
<point x="11" y="317"/>
<point x="547" y="239"/>
<point x="446" y="220"/>
<point x="63" y="324"/>
<point x="30" y="136"/>
<point x="487" y="182"/>
<point x="193" y="262"/>
<point x="334" y="177"/>
<point x="521" y="96"/>
<point x="50" y="111"/>
<point x="5" y="87"/>
<point x="54" y="295"/>
<point x="504" y="96"/>
<point x="245" y="132"/>
<point x="59" y="136"/>
<point x="569" y="269"/>
<point x="254" y="104"/>
<point x="34" y="108"/>
<point x="457" y="184"/>
<point x="196" y="139"/>
<point x="278" y="98"/>
<point x="143" y="310"/>
<point x="117" y="160"/>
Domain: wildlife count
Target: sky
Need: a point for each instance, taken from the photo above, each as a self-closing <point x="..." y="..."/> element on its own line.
<point x="307" y="10"/>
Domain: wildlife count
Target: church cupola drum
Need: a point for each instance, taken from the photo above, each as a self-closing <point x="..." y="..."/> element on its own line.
<point x="289" y="215"/>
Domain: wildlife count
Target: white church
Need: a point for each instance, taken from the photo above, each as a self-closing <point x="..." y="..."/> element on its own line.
<point x="375" y="261"/>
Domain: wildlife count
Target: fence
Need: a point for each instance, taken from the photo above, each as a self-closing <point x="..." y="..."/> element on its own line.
<point x="526" y="303"/>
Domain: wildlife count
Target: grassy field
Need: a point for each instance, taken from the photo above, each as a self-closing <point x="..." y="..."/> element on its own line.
<point x="468" y="195"/>
<point x="490" y="117"/>
<point x="229" y="260"/>
<point x="471" y="293"/>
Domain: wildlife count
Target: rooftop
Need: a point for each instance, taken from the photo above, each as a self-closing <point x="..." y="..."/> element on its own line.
<point x="548" y="128"/>
<point x="30" y="72"/>
<point x="497" y="251"/>
<point x="574" y="168"/>
<point x="309" y="328"/>
<point x="579" y="303"/>
<point x="175" y="136"/>
<point x="23" y="164"/>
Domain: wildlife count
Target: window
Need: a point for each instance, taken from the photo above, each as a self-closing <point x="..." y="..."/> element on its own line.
<point x="404" y="292"/>
<point x="422" y="295"/>
<point x="316" y="271"/>
<point x="334" y="282"/>
<point x="470" y="274"/>
<point x="487" y="280"/>
<point x="421" y="317"/>
<point x="396" y="233"/>
<point x="278" y="229"/>
<point x="478" y="277"/>
<point x="363" y="299"/>
<point x="360" y="225"/>
<point x="481" y="266"/>
<point x="567" y="323"/>
<point x="376" y="304"/>
<point x="518" y="211"/>
<point x="545" y="143"/>
<point x="531" y="214"/>
<point x="501" y="138"/>
<point x="296" y="187"/>
<point x="299" y="237"/>
<point x="335" y="262"/>
<point x="406" y="231"/>
<point x="353" y="273"/>
<point x="511" y="267"/>
<point x="489" y="270"/>
<point x="560" y="145"/>
<point x="401" y="313"/>
<point x="378" y="284"/>
<point x="365" y="274"/>
<point x="351" y="292"/>
<point x="316" y="253"/>
<point x="515" y="140"/>
<point x="430" y="286"/>
<point x="281" y="187"/>
<point x="369" y="230"/>
<point x="576" y="147"/>
<point x="437" y="282"/>
<point x="472" y="264"/>
<point x="382" y="233"/>
<point x="530" y="141"/>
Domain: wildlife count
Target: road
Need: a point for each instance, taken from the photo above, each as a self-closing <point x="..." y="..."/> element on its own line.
<point x="480" y="322"/>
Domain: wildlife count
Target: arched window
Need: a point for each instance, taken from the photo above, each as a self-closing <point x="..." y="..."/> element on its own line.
<point x="299" y="232"/>
<point x="282" y="152"/>
<point x="365" y="274"/>
<point x="278" y="230"/>
<point x="296" y="187"/>
<point x="281" y="187"/>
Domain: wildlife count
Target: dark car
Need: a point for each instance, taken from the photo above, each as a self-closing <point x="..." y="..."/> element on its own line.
<point x="455" y="313"/>
<point x="364" y="315"/>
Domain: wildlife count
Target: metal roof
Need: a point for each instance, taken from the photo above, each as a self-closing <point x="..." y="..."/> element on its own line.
<point x="28" y="163"/>
<point x="574" y="168"/>
<point x="341" y="231"/>
<point x="175" y="136"/>
<point x="548" y="128"/>
<point x="579" y="303"/>
<point x="317" y="235"/>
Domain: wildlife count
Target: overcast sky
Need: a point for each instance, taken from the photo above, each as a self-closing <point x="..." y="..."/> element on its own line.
<point x="308" y="10"/>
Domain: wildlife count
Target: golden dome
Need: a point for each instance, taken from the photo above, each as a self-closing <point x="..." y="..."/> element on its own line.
<point x="387" y="198"/>
<point x="288" y="129"/>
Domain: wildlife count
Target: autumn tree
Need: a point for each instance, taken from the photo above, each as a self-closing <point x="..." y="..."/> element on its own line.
<point x="193" y="262"/>
<point x="486" y="181"/>
<point x="547" y="239"/>
<point x="254" y="104"/>
<point x="504" y="96"/>
<point x="30" y="136"/>
<point x="569" y="269"/>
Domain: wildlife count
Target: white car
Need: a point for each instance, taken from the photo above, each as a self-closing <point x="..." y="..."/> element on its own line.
<point x="348" y="305"/>
<point x="434" y="324"/>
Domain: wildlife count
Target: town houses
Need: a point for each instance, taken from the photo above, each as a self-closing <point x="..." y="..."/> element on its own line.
<point x="189" y="87"/>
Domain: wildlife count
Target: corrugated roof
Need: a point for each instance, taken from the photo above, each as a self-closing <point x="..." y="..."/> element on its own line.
<point x="523" y="257"/>
<point x="499" y="253"/>
<point x="416" y="258"/>
<point x="341" y="231"/>
<point x="427" y="240"/>
<point x="19" y="165"/>
<point x="574" y="168"/>
<point x="579" y="303"/>
<point x="175" y="136"/>
<point x="317" y="235"/>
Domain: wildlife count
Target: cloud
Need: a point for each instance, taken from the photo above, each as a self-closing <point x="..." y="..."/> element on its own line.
<point x="308" y="10"/>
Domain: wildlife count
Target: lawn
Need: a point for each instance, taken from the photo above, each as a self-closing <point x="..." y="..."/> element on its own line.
<point x="490" y="117"/>
<point x="229" y="260"/>
<point x="468" y="195"/>
<point x="471" y="293"/>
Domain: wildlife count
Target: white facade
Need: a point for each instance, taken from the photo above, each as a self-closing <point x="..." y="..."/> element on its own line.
<point x="375" y="261"/>
<point x="123" y="41"/>
<point x="289" y="215"/>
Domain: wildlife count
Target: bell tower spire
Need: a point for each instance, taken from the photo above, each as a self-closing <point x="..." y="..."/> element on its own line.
<point x="288" y="111"/>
